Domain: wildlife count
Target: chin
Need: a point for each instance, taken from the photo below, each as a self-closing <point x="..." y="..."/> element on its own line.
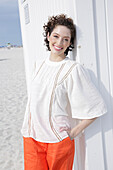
<point x="57" y="52"/>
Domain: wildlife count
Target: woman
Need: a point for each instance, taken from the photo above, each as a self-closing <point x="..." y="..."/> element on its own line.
<point x="61" y="93"/>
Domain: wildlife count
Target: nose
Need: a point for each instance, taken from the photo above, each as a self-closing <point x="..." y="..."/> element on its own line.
<point x="60" y="42"/>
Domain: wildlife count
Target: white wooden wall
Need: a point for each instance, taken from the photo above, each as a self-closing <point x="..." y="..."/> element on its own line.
<point x="94" y="50"/>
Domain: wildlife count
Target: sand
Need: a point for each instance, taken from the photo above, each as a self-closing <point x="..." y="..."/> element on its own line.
<point x="13" y="98"/>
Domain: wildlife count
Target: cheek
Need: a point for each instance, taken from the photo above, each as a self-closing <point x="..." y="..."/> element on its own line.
<point x="52" y="40"/>
<point x="67" y="44"/>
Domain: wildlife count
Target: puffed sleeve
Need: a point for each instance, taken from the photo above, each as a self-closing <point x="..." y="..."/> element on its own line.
<point x="85" y="100"/>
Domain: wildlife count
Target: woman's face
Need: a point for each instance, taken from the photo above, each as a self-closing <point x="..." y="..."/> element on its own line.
<point x="59" y="40"/>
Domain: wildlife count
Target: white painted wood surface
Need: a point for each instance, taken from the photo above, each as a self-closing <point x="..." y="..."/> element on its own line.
<point x="94" y="50"/>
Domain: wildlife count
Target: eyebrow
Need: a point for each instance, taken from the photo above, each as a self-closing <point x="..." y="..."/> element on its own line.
<point x="64" y="36"/>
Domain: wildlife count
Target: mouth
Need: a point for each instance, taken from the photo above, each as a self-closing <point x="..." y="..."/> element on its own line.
<point x="57" y="48"/>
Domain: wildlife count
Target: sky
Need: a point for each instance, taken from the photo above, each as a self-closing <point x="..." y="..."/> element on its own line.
<point x="10" y="31"/>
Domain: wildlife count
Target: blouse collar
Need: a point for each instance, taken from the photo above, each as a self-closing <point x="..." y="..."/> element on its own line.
<point x="55" y="63"/>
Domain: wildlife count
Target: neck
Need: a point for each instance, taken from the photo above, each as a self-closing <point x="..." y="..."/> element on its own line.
<point x="57" y="58"/>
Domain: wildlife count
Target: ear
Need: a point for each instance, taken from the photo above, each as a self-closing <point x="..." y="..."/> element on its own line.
<point x="48" y="36"/>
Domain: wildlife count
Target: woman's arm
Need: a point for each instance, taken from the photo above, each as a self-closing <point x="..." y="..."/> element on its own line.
<point x="78" y="128"/>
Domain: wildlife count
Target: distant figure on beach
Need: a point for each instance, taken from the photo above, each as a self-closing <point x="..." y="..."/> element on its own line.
<point x="8" y="45"/>
<point x="62" y="101"/>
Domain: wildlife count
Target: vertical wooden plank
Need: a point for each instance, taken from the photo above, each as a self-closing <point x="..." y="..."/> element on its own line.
<point x="109" y="32"/>
<point x="105" y="79"/>
<point x="87" y="54"/>
<point x="24" y="40"/>
<point x="85" y="33"/>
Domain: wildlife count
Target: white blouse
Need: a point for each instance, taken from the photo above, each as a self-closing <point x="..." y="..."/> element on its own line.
<point x="61" y="94"/>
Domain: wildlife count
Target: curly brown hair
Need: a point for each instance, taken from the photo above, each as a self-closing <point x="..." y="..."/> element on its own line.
<point x="60" y="20"/>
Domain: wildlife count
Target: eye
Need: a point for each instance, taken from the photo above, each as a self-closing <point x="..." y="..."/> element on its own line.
<point x="66" y="39"/>
<point x="55" y="36"/>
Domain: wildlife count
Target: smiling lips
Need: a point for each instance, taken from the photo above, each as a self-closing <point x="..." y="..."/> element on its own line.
<point x="57" y="48"/>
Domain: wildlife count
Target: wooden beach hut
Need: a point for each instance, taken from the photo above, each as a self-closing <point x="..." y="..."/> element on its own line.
<point x="94" y="50"/>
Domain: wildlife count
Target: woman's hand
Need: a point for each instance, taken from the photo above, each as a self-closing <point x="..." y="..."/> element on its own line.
<point x="69" y="132"/>
<point x="72" y="133"/>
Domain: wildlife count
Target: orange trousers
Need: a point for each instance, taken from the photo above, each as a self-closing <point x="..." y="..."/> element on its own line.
<point x="48" y="156"/>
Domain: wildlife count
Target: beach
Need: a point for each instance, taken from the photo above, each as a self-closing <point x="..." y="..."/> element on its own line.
<point x="13" y="98"/>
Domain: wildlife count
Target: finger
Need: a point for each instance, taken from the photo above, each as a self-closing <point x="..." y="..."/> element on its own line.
<point x="63" y="129"/>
